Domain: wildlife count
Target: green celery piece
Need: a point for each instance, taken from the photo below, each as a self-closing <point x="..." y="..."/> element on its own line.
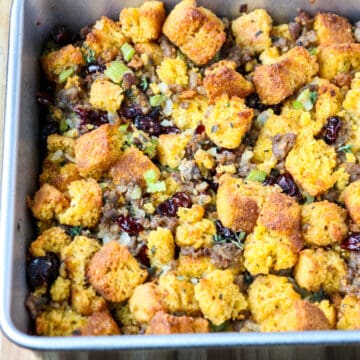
<point x="256" y="175"/>
<point x="116" y="70"/>
<point x="150" y="177"/>
<point x="127" y="51"/>
<point x="155" y="187"/>
<point x="65" y="74"/>
<point x="157" y="100"/>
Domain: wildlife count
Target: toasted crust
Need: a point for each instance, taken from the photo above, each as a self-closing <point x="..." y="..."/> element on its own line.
<point x="352" y="200"/>
<point x="105" y="95"/>
<point x="96" y="150"/>
<point x="163" y="323"/>
<point x="310" y="317"/>
<point x="100" y="323"/>
<point x="332" y="28"/>
<point x="349" y="313"/>
<point x="277" y="81"/>
<point x="222" y="78"/>
<point x="131" y="166"/>
<point x="114" y="273"/>
<point x="197" y="31"/>
<point x="144" y="23"/>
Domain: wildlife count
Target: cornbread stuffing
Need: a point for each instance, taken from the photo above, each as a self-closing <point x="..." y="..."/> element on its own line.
<point x="198" y="174"/>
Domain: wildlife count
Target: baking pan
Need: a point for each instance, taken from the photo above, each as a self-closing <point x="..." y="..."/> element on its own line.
<point x="31" y="21"/>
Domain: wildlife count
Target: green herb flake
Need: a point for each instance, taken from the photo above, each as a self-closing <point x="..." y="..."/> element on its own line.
<point x="308" y="199"/>
<point x="65" y="74"/>
<point x="256" y="175"/>
<point x="157" y="100"/>
<point x="75" y="230"/>
<point x="214" y="128"/>
<point x="153" y="250"/>
<point x="313" y="51"/>
<point x="89" y="56"/>
<point x="127" y="51"/>
<point x="150" y="148"/>
<point x="144" y="84"/>
<point x="116" y="70"/>
<point x="345" y="148"/>
<point x="305" y="100"/>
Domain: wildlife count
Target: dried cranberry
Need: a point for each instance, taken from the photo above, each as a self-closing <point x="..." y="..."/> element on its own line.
<point x="43" y="270"/>
<point x="129" y="224"/>
<point x="200" y="129"/>
<point x="155" y="112"/>
<point x="286" y="182"/>
<point x="148" y="125"/>
<point x="91" y="117"/>
<point x="332" y="129"/>
<point x="243" y="8"/>
<point x="44" y="98"/>
<point x="171" y="206"/>
<point x="94" y="68"/>
<point x="143" y="256"/>
<point x="170" y="130"/>
<point x="61" y="35"/>
<point x="224" y="231"/>
<point x="131" y="111"/>
<point x="351" y="242"/>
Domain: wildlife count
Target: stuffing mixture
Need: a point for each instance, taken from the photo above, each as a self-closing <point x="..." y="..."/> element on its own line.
<point x="199" y="174"/>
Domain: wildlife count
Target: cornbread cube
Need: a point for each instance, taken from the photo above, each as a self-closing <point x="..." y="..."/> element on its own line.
<point x="222" y="78"/>
<point x="191" y="267"/>
<point x="191" y="215"/>
<point x="131" y="166"/>
<point x="171" y="149"/>
<point x="173" y="71"/>
<point x="105" y="95"/>
<point x="50" y="240"/>
<point x="323" y="223"/>
<point x="161" y="247"/>
<point x="267" y="251"/>
<point x="204" y="160"/>
<point x="320" y="268"/>
<point x="349" y="313"/>
<point x="59" y="142"/>
<point x="60" y="289"/>
<point x="196" y="31"/>
<point x="163" y="323"/>
<point x="219" y="297"/>
<point x="311" y="163"/>
<point x="96" y="150"/>
<point x="351" y="197"/>
<point x="351" y="102"/>
<point x="331" y="28"/>
<point x="329" y="311"/>
<point x="179" y="294"/>
<point x="59" y="322"/>
<point x="100" y="323"/>
<point x="238" y="202"/>
<point x="85" y="206"/>
<point x="114" y="272"/>
<point x="143" y="23"/>
<point x="252" y="30"/>
<point x="277" y="81"/>
<point x="57" y="61"/>
<point x="269" y="56"/>
<point x="152" y="50"/>
<point x="105" y="39"/>
<point x="227" y="121"/>
<point x="146" y="300"/>
<point x="58" y="176"/>
<point x="190" y="116"/>
<point x="338" y="58"/>
<point x="328" y="103"/>
<point x="48" y="202"/>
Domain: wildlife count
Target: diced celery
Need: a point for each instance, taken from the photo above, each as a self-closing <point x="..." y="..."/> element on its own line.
<point x="116" y="70"/>
<point x="157" y="100"/>
<point x="155" y="187"/>
<point x="65" y="74"/>
<point x="150" y="177"/>
<point x="256" y="175"/>
<point x="127" y="51"/>
<point x="63" y="125"/>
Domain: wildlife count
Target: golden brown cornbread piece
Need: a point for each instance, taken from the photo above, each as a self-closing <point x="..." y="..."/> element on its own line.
<point x="100" y="323"/>
<point x="173" y="71"/>
<point x="152" y="50"/>
<point x="59" y="142"/>
<point x="48" y="202"/>
<point x="252" y="30"/>
<point x="171" y="149"/>
<point x="161" y="247"/>
<point x="352" y="200"/>
<point x="320" y="268"/>
<point x="114" y="272"/>
<point x="335" y="59"/>
<point x="323" y="223"/>
<point x="331" y="28"/>
<point x="105" y="95"/>
<point x="85" y="206"/>
<point x="146" y="300"/>
<point x="163" y="323"/>
<point x="60" y="289"/>
<point x="96" y="150"/>
<point x="57" y="61"/>
<point x="105" y="39"/>
<point x="51" y="240"/>
<point x="349" y="313"/>
<point x="196" y="31"/>
<point x="143" y="23"/>
<point x="131" y="166"/>
<point x="222" y="78"/>
<point x="277" y="81"/>
<point x="194" y="267"/>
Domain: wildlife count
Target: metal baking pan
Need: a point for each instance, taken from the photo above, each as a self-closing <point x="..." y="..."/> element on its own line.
<point x="31" y="21"/>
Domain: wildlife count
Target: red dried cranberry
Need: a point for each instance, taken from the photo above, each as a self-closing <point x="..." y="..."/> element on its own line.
<point x="91" y="117"/>
<point x="143" y="256"/>
<point x="129" y="224"/>
<point x="148" y="125"/>
<point x="171" y="206"/>
<point x="286" y="182"/>
<point x="155" y="112"/>
<point x="170" y="130"/>
<point x="351" y="242"/>
<point x="131" y="111"/>
<point x="332" y="129"/>
<point x="61" y="35"/>
<point x="200" y="129"/>
<point x="43" y="270"/>
<point x="254" y="102"/>
<point x="224" y="231"/>
<point x="44" y="98"/>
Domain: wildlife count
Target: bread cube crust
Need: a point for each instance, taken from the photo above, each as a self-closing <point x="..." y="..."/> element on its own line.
<point x="352" y="201"/>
